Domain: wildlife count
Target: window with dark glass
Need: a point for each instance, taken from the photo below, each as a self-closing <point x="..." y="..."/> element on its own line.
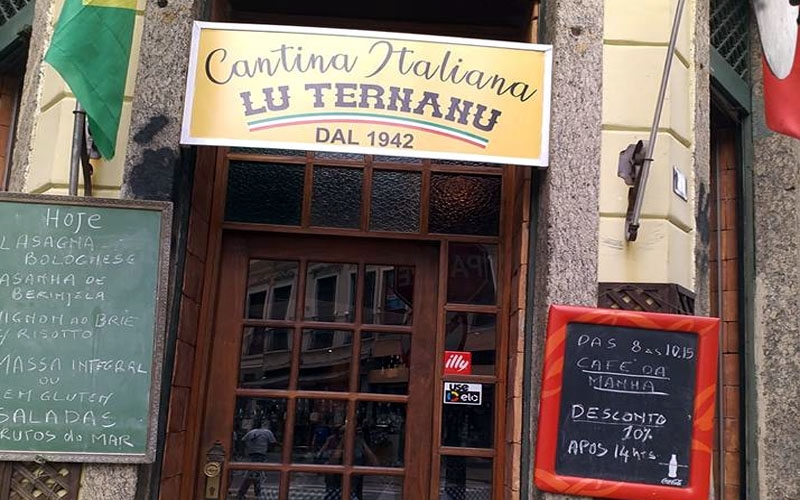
<point x="384" y="194"/>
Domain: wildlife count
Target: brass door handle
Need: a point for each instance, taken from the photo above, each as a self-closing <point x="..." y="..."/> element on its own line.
<point x="215" y="458"/>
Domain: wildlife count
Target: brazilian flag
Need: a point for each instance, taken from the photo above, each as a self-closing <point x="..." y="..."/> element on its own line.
<point x="91" y="49"/>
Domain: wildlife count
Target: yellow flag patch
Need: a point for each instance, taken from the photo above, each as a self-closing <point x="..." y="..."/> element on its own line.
<point x="120" y="4"/>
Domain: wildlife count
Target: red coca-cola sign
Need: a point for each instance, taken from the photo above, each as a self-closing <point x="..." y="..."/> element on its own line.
<point x="457" y="363"/>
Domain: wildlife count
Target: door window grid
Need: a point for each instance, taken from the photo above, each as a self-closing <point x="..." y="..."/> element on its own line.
<point x="352" y="466"/>
<point x="368" y="292"/>
<point x="463" y="270"/>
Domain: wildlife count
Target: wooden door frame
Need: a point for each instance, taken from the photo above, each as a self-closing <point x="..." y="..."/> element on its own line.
<point x="199" y="293"/>
<point x="727" y="209"/>
<point x="185" y="391"/>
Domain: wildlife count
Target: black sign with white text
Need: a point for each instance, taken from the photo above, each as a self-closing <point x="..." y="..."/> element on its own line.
<point x="626" y="410"/>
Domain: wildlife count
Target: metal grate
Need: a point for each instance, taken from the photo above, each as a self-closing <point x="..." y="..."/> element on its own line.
<point x="33" y="481"/>
<point x="730" y="33"/>
<point x="649" y="297"/>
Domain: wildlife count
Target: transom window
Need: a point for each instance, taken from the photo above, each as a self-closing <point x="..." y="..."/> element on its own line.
<point x="363" y="193"/>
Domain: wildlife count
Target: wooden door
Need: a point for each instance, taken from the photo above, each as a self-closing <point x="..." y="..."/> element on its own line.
<point x="321" y="383"/>
<point x="725" y="292"/>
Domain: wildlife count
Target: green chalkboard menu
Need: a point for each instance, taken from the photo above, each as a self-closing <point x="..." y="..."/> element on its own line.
<point x="82" y="306"/>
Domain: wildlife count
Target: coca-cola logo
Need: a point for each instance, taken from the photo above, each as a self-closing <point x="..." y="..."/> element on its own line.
<point x="457" y="363"/>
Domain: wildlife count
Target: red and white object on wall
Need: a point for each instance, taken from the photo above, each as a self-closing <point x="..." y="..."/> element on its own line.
<point x="457" y="363"/>
<point x="778" y="27"/>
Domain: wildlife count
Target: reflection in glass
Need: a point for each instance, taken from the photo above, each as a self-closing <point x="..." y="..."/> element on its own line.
<point x="330" y="292"/>
<point x="305" y="485"/>
<point x="380" y="434"/>
<point x="470" y="426"/>
<point x="271" y="286"/>
<point x="370" y="279"/>
<point x="465" y="204"/>
<point x="258" y="425"/>
<point x="384" y="363"/>
<point x="253" y="485"/>
<point x="474" y="333"/>
<point x="465" y="477"/>
<point x="266" y="358"/>
<point x="325" y="360"/>
<point x="389" y="295"/>
<point x="378" y="487"/>
<point x="318" y="428"/>
<point x="472" y="274"/>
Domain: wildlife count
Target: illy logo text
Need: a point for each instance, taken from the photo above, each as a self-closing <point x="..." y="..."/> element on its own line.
<point x="457" y="363"/>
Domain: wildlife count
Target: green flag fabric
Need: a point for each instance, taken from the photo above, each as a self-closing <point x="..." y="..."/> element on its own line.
<point x="91" y="50"/>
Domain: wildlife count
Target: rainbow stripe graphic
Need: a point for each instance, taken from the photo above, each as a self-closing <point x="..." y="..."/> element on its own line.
<point x="368" y="118"/>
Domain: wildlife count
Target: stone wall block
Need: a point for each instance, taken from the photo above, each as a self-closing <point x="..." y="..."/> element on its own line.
<point x="154" y="150"/>
<point x="568" y="216"/>
<point x="776" y="204"/>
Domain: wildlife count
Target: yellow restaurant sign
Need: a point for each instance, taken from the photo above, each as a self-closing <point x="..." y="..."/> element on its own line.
<point x="368" y="92"/>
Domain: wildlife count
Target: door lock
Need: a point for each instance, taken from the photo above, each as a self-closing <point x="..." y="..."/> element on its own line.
<point x="212" y="469"/>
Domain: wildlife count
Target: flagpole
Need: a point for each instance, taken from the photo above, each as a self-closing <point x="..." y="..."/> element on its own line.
<point x="79" y="128"/>
<point x="632" y="220"/>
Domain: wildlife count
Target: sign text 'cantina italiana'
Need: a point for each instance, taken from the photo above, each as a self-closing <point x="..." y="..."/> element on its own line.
<point x="368" y="92"/>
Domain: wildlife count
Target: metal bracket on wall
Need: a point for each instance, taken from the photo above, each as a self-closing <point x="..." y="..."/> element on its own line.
<point x="636" y="194"/>
<point x="629" y="168"/>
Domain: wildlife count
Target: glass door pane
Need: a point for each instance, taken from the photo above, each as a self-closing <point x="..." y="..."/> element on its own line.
<point x="324" y="369"/>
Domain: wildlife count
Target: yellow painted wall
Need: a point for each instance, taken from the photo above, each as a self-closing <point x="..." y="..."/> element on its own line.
<point x="51" y="148"/>
<point x="635" y="43"/>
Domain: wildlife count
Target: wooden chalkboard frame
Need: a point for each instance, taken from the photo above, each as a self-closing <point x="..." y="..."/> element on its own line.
<point x="159" y="331"/>
<point x="707" y="331"/>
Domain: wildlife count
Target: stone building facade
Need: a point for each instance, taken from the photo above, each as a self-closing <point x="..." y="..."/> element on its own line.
<point x="727" y="248"/>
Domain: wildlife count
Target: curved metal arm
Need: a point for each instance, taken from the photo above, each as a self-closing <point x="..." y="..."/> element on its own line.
<point x="632" y="219"/>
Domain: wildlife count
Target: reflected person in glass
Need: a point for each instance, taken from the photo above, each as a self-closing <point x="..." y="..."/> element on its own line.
<point x="257" y="442"/>
<point x="331" y="453"/>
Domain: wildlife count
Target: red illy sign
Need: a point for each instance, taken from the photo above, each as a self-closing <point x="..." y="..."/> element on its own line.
<point x="457" y="363"/>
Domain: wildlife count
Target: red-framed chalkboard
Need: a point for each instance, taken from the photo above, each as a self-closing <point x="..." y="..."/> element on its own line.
<point x="627" y="404"/>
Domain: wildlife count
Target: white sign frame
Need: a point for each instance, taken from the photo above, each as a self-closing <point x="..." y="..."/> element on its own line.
<point x="541" y="161"/>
